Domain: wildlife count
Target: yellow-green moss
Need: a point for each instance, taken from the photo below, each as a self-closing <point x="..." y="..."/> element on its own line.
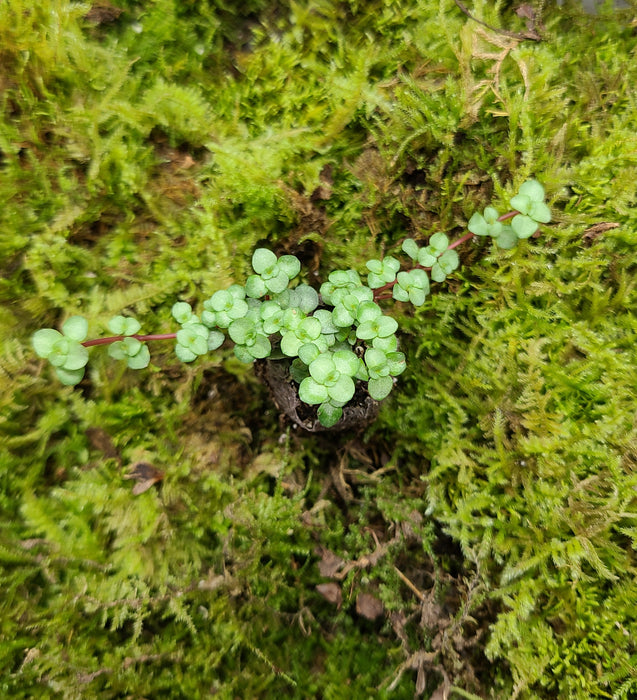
<point x="490" y="509"/>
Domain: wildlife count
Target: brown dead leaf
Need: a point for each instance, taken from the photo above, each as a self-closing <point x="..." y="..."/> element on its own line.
<point x="146" y="475"/>
<point x="330" y="563"/>
<point x="369" y="606"/>
<point x="533" y="22"/>
<point x="331" y="592"/>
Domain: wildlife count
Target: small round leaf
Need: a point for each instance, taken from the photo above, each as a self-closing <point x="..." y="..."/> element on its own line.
<point x="491" y="215"/>
<point x="70" y="377"/>
<point x="75" y="328"/>
<point x="327" y="322"/>
<point x="182" y="312"/>
<point x="540" y="212"/>
<point x="439" y="242"/>
<point x="290" y="344"/>
<point x="507" y="239"/>
<point x="184" y="354"/>
<point x="417" y="296"/>
<point x="329" y="415"/>
<point x="141" y="359"/>
<point x="76" y="358"/>
<point x="290" y="264"/>
<point x="322" y="368"/>
<point x="277" y="283"/>
<point x="368" y="311"/>
<point x="342" y="317"/>
<point x="410" y="247"/>
<point x="263" y="260"/>
<point x="124" y="325"/>
<point x="255" y="287"/>
<point x="375" y="266"/>
<point x="449" y="261"/>
<point x="221" y="300"/>
<point x="261" y="347"/>
<point x="524" y="226"/>
<point x="533" y="190"/>
<point x="117" y="350"/>
<point x="521" y="203"/>
<point x="478" y="225"/>
<point x="397" y="363"/>
<point x="437" y="273"/>
<point x="215" y="340"/>
<point x="311" y="392"/>
<point x="241" y="330"/>
<point x="379" y="388"/>
<point x="307" y="298"/>
<point x="346" y="362"/>
<point x="44" y="340"/>
<point x="400" y="294"/>
<point x="243" y="354"/>
<point x="342" y="390"/>
<point x="386" y="326"/>
<point x="388" y="344"/>
<point x="425" y="257"/>
<point x="308" y="353"/>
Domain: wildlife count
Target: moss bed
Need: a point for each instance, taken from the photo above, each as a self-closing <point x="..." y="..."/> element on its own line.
<point x="166" y="533"/>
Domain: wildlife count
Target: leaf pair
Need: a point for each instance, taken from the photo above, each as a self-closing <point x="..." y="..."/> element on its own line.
<point x="330" y="384"/>
<point x="437" y="256"/>
<point x="533" y="211"/>
<point x="273" y="274"/>
<point x="194" y="338"/>
<point x="132" y="350"/>
<point x="64" y="350"/>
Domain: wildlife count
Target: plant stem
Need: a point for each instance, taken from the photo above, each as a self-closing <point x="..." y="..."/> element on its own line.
<point x="379" y="293"/>
<point x="115" y="338"/>
<point x="460" y="241"/>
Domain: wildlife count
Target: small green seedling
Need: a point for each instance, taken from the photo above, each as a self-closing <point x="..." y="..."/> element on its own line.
<point x="336" y="339"/>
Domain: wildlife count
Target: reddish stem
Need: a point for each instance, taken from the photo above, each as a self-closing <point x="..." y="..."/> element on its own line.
<point x="460" y="241"/>
<point x="378" y="295"/>
<point x="115" y="338"/>
<point x="379" y="292"/>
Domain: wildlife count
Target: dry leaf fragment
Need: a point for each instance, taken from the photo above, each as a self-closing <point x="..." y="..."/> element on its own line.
<point x="369" y="606"/>
<point x="146" y="475"/>
<point x="330" y="563"/>
<point x="597" y="230"/>
<point x="331" y="592"/>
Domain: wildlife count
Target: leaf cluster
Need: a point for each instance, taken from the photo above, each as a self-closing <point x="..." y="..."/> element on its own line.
<point x="266" y="313"/>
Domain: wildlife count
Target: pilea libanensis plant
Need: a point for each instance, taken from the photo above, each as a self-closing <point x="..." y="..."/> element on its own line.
<point x="334" y="339"/>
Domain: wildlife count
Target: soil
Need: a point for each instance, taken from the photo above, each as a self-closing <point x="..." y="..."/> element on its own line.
<point x="360" y="412"/>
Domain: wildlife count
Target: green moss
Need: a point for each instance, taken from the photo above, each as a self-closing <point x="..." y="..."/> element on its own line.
<point x="162" y="533"/>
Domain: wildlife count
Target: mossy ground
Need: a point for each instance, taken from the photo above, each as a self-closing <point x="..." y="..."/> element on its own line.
<point x="162" y="533"/>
